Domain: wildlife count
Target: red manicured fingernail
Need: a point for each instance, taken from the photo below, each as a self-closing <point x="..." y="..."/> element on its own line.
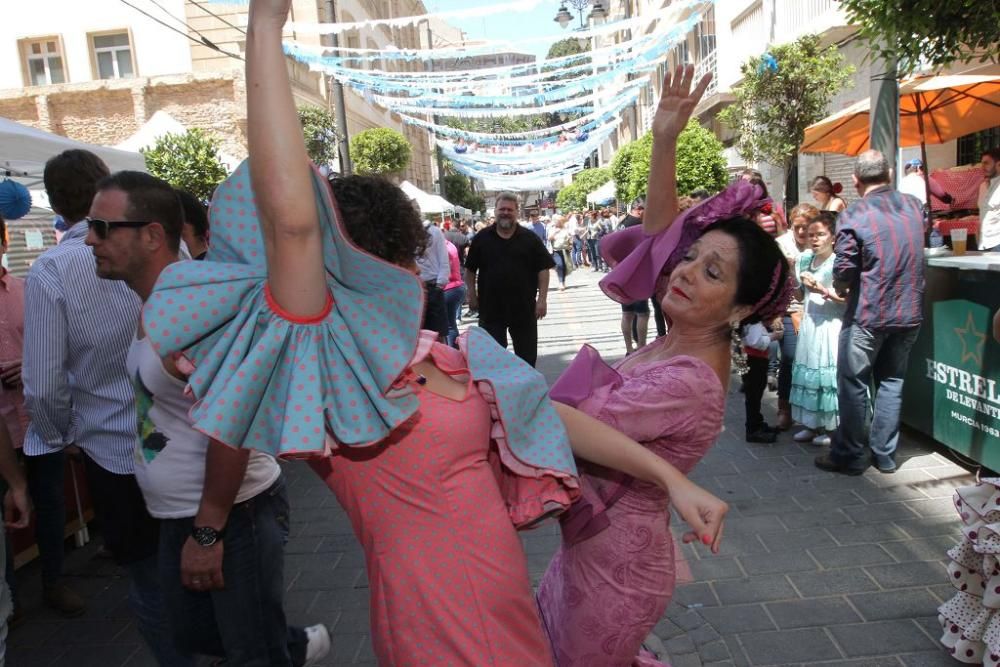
<point x="707" y="539"/>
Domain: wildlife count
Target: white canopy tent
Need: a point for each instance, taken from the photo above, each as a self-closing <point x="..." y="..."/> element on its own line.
<point x="603" y="194"/>
<point x="428" y="203"/>
<point x="159" y="124"/>
<point x="25" y="150"/>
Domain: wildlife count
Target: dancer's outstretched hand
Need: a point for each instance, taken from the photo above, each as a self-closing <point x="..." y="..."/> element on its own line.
<point x="677" y="101"/>
<point x="702" y="511"/>
<point x="269" y="10"/>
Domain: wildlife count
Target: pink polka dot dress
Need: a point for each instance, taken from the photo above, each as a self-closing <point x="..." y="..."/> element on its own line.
<point x="448" y="576"/>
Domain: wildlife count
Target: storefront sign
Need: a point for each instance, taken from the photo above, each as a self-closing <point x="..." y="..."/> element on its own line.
<point x="966" y="380"/>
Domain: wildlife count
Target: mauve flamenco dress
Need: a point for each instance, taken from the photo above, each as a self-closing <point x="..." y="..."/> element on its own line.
<point x="613" y="576"/>
<point x="434" y="488"/>
<point x="601" y="596"/>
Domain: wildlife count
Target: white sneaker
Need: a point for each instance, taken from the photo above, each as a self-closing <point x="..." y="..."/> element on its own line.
<point x="806" y="435"/>
<point x="822" y="440"/>
<point x="317" y="644"/>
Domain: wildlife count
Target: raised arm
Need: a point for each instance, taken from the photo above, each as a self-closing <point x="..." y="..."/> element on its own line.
<point x="279" y="168"/>
<point x="677" y="103"/>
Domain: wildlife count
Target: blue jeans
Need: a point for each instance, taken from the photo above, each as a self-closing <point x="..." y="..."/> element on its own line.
<point x="453" y="300"/>
<point x="789" y="341"/>
<point x="867" y="356"/>
<point x="559" y="257"/>
<point x="593" y="248"/>
<point x="577" y="252"/>
<point x="146" y="599"/>
<point x="245" y="621"/>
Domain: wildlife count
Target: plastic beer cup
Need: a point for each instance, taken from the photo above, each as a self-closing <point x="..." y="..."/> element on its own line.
<point x="959" y="238"/>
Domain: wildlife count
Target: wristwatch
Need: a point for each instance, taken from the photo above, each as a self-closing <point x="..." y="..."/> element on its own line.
<point x="206" y="536"/>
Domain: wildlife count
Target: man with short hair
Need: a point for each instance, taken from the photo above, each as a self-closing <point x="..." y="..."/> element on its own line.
<point x="512" y="266"/>
<point x="879" y="266"/>
<point x="221" y="543"/>
<point x="537" y="226"/>
<point x="77" y="329"/>
<point x="433" y="266"/>
<point x="989" y="202"/>
<point x="914" y="183"/>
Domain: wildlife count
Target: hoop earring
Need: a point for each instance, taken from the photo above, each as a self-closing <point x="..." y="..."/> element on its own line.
<point x="739" y="354"/>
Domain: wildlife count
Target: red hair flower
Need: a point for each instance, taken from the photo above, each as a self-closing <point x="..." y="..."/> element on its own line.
<point x="766" y="209"/>
<point x="837" y="188"/>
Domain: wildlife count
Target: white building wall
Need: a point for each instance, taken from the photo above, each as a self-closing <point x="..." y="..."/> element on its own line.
<point x="156" y="49"/>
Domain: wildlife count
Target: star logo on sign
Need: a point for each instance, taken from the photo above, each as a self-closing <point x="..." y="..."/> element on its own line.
<point x="978" y="340"/>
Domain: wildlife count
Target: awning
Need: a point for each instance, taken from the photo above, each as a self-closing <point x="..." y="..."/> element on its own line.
<point x="947" y="107"/>
<point x="160" y="124"/>
<point x="427" y="202"/>
<point x="24" y="151"/>
<point x="602" y="195"/>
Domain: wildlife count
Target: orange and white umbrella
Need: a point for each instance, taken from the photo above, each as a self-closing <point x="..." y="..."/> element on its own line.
<point x="932" y="110"/>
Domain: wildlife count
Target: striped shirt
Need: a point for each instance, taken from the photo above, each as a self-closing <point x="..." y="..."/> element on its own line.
<point x="77" y="330"/>
<point x="880" y="258"/>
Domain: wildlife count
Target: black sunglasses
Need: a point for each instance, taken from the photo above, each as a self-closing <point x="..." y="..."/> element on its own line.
<point x="103" y="227"/>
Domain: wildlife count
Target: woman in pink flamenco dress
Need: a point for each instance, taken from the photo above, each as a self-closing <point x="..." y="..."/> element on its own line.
<point x="714" y="270"/>
<point x="301" y="333"/>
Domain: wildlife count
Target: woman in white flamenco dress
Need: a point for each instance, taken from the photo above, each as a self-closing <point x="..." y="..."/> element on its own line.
<point x="970" y="619"/>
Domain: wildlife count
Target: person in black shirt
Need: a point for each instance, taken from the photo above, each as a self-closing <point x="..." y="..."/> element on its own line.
<point x="512" y="267"/>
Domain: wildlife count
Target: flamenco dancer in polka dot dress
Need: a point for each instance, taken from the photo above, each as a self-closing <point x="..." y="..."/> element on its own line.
<point x="971" y="618"/>
<point x="301" y="333"/>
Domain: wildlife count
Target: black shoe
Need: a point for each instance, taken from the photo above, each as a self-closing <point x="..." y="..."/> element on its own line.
<point x="770" y="429"/>
<point x="762" y="435"/>
<point x="826" y="463"/>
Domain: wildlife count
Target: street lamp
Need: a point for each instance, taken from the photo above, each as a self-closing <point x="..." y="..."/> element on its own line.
<point x="563" y="17"/>
<point x="598" y="14"/>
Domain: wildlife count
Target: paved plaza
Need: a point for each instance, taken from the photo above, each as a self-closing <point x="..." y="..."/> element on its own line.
<point x="815" y="568"/>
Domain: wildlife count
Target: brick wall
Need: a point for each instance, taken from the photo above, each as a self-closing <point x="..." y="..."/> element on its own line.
<point x="103" y="117"/>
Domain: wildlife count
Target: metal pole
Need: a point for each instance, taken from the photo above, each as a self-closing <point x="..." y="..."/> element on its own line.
<point x="343" y="143"/>
<point x="884" y="123"/>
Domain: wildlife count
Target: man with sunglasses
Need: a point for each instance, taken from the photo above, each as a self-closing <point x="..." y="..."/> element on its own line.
<point x="223" y="512"/>
<point x="76" y="334"/>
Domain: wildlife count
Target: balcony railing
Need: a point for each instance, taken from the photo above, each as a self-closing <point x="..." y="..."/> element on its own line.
<point x="708" y="64"/>
<point x="794" y="17"/>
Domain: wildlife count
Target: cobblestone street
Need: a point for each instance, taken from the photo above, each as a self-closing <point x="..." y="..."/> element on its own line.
<point x="815" y="568"/>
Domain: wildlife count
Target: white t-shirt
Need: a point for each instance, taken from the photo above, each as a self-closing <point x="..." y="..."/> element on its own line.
<point x="169" y="453"/>
<point x="914" y="184"/>
<point x="989" y="214"/>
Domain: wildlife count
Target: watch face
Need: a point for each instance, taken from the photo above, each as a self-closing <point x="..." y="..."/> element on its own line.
<point x="206" y="537"/>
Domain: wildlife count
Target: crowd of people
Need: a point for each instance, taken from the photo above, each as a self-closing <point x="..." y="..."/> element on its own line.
<point x="178" y="354"/>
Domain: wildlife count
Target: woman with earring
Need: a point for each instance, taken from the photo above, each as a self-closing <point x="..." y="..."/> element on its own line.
<point x="714" y="270"/>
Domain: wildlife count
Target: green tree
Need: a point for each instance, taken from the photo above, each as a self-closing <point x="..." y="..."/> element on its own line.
<point x="931" y="31"/>
<point x="700" y="162"/>
<point x="380" y="151"/>
<point x="188" y="161"/>
<point x="574" y="196"/>
<point x="319" y="129"/>
<point x="630" y="167"/>
<point x="784" y="92"/>
<point x="567" y="47"/>
<point x="458" y="190"/>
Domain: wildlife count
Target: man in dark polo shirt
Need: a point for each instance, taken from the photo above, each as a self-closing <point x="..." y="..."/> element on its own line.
<point x="513" y="279"/>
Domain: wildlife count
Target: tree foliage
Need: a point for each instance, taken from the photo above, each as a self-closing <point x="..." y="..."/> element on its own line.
<point x="188" y="161"/>
<point x="784" y="92"/>
<point x="630" y="167"/>
<point x="458" y="190"/>
<point x="700" y="162"/>
<point x="567" y="47"/>
<point x="319" y="129"/>
<point x="931" y="31"/>
<point x="574" y="196"/>
<point x="380" y="151"/>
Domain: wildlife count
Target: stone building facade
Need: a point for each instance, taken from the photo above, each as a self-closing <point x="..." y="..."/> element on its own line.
<point x="176" y="71"/>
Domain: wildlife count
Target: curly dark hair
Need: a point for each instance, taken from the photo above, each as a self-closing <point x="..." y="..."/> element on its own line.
<point x="380" y="218"/>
